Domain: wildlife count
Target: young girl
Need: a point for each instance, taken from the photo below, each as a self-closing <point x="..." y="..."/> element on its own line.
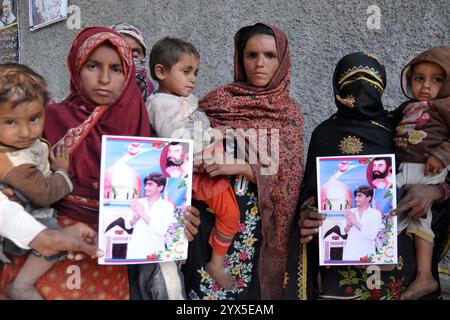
<point x="104" y="99"/>
<point x="174" y="113"/>
<point x="423" y="149"/>
<point x="25" y="166"/>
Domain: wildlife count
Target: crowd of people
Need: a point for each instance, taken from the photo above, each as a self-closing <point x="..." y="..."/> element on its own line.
<point x="252" y="230"/>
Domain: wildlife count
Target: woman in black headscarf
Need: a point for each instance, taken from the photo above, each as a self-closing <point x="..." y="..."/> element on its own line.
<point x="360" y="126"/>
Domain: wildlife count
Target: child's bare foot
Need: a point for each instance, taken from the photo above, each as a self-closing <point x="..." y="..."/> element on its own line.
<point x="16" y="292"/>
<point x="220" y="275"/>
<point x="420" y="287"/>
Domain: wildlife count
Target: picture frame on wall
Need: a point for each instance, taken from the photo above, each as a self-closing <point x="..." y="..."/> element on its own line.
<point x="45" y="12"/>
<point x="8" y="14"/>
<point x="145" y="184"/>
<point x="9" y="30"/>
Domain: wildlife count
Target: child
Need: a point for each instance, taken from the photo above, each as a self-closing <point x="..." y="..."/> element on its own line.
<point x="422" y="147"/>
<point x="173" y="111"/>
<point x="24" y="162"/>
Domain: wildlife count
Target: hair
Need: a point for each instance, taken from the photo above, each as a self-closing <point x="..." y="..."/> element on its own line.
<point x="157" y="178"/>
<point x="366" y="190"/>
<point x="183" y="145"/>
<point x="19" y="84"/>
<point x="246" y="34"/>
<point x="388" y="161"/>
<point x="168" y="51"/>
<point x="8" y="2"/>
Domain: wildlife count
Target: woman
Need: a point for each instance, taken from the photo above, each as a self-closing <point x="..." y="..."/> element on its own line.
<point x="257" y="99"/>
<point x="103" y="89"/>
<point x="135" y="39"/>
<point x="360" y="126"/>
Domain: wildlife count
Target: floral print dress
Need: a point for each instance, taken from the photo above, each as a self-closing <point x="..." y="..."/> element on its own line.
<point x="241" y="260"/>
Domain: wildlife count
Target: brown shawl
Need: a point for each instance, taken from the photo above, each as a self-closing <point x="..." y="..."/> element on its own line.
<point x="240" y="105"/>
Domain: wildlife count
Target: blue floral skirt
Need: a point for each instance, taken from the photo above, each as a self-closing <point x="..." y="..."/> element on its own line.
<point x="242" y="256"/>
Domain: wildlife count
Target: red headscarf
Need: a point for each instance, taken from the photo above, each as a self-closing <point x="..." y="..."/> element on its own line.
<point x="79" y="123"/>
<point x="240" y="105"/>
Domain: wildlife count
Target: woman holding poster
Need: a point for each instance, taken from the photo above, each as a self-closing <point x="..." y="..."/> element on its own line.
<point x="361" y="126"/>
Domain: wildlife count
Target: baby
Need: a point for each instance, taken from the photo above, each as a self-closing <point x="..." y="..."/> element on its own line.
<point x="422" y="146"/>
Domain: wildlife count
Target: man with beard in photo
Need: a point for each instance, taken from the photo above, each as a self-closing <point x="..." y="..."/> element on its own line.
<point x="382" y="173"/>
<point x="176" y="165"/>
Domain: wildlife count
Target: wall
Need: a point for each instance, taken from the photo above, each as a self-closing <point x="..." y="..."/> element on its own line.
<point x="320" y="33"/>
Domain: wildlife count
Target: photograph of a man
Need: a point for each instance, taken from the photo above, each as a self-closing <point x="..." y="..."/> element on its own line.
<point x="381" y="176"/>
<point x="175" y="161"/>
<point x="361" y="225"/>
<point x="152" y="217"/>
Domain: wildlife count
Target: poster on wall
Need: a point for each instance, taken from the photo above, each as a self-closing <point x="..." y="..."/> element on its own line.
<point x="9" y="40"/>
<point x="145" y="185"/>
<point x="45" y="12"/>
<point x="357" y="193"/>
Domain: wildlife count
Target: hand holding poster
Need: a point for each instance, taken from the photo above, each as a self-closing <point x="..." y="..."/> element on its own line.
<point x="357" y="193"/>
<point x="145" y="184"/>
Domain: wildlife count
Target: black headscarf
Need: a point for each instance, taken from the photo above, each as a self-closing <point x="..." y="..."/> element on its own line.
<point x="359" y="81"/>
<point x="360" y="126"/>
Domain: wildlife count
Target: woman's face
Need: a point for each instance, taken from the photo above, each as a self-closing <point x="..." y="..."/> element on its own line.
<point x="136" y="48"/>
<point x="260" y="59"/>
<point x="102" y="76"/>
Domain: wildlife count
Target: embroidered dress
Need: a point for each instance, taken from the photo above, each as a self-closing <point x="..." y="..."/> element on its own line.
<point x="241" y="260"/>
<point x="79" y="123"/>
<point x="275" y="117"/>
<point x="368" y="126"/>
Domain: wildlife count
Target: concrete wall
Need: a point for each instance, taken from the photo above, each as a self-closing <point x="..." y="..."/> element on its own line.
<point x="320" y="33"/>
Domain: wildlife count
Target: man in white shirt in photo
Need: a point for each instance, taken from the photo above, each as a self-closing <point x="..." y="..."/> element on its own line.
<point x="362" y="225"/>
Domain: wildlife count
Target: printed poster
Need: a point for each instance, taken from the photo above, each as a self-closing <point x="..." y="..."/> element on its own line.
<point x="45" y="12"/>
<point x="145" y="184"/>
<point x="356" y="193"/>
<point x="9" y="30"/>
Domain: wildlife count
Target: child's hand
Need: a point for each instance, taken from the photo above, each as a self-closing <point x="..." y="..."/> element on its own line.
<point x="433" y="165"/>
<point x="59" y="158"/>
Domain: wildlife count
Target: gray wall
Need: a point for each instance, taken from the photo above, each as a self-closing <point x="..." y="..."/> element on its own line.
<point x="320" y="33"/>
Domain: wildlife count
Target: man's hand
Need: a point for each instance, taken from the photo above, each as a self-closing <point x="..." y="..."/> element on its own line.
<point x="139" y="212"/>
<point x="75" y="239"/>
<point x="350" y="217"/>
<point x="348" y="226"/>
